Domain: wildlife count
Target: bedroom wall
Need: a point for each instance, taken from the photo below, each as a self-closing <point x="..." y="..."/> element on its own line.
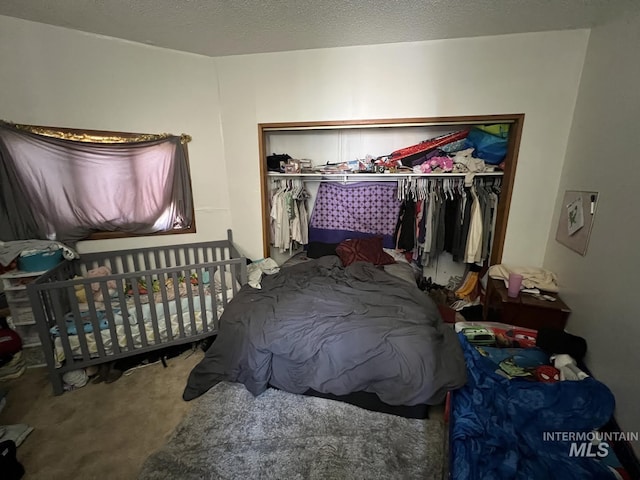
<point x="602" y="155"/>
<point x="60" y="77"/>
<point x="536" y="74"/>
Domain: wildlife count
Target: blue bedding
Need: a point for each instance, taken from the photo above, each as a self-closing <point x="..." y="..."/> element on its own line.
<point x="498" y="425"/>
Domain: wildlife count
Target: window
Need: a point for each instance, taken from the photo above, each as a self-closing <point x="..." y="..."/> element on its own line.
<point x="72" y="184"/>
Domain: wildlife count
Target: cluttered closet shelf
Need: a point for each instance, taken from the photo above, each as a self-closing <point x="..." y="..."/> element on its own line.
<point x="350" y="152"/>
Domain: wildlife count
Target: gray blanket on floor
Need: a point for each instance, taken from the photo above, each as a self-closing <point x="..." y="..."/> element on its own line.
<point x="335" y="330"/>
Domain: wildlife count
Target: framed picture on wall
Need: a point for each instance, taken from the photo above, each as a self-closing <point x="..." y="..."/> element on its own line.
<point x="576" y="219"/>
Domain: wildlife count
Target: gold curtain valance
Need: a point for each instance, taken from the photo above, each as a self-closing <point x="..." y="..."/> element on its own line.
<point x="94" y="136"/>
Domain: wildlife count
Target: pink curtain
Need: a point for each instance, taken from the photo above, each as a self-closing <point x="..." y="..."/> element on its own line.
<point x="76" y="188"/>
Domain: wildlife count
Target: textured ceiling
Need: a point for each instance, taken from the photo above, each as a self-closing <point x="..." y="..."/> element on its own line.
<point x="230" y="27"/>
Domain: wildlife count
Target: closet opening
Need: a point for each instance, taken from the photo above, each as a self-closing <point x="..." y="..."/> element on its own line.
<point x="320" y="151"/>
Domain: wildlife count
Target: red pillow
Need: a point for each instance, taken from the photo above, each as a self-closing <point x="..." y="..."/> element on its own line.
<point x="363" y="250"/>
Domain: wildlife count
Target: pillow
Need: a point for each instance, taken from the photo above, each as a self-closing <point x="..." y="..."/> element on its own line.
<point x="319" y="249"/>
<point x="363" y="250"/>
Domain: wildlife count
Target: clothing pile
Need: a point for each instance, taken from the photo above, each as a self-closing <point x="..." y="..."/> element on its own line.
<point x="10" y="251"/>
<point x="256" y="269"/>
<point x="479" y="149"/>
<point x="16" y="433"/>
<point x="532" y="277"/>
<point x="12" y="363"/>
<point x="12" y="366"/>
<point x="11" y="437"/>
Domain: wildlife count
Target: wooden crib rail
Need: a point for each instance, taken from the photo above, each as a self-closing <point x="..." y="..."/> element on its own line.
<point x="151" y="258"/>
<point x="163" y="305"/>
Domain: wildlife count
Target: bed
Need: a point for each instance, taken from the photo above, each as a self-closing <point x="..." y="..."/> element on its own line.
<point x="512" y="428"/>
<point x="324" y="327"/>
<point x="110" y="305"/>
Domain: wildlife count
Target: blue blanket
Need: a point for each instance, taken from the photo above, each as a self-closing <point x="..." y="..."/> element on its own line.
<point x="499" y="425"/>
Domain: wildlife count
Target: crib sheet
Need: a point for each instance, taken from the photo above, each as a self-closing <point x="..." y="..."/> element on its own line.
<point x="147" y="321"/>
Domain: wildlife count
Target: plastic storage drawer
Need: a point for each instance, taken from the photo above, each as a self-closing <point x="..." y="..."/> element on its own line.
<point x="28" y="334"/>
<point x="17" y="295"/>
<point x="21" y="314"/>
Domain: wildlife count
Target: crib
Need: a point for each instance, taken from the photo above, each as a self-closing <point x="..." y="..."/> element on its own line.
<point x="110" y="305"/>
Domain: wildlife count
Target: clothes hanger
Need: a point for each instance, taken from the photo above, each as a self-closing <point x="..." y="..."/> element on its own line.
<point x="400" y="189"/>
<point x="447" y="189"/>
<point x="423" y="188"/>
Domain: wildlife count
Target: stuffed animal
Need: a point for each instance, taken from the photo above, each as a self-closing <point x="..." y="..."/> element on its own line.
<point x="81" y="294"/>
<point x="546" y="374"/>
<point x="568" y="367"/>
<point x="97" y="289"/>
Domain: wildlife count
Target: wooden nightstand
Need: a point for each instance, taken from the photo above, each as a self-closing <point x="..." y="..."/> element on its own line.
<point x="525" y="310"/>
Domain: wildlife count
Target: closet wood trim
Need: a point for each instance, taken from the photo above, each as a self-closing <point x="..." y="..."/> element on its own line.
<point x="516" y="119"/>
<point x="511" y="162"/>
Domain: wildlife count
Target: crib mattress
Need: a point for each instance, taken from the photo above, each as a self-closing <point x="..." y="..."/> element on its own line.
<point x="147" y="321"/>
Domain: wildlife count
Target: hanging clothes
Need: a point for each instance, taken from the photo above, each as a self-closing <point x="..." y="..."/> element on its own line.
<point x="289" y="217"/>
<point x="405" y="228"/>
<point x="473" y="248"/>
<point x="451" y="215"/>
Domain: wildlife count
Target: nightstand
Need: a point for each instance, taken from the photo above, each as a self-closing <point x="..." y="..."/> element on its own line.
<point x="525" y="310"/>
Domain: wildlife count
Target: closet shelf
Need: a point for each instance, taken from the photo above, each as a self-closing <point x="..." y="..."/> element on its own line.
<point x="339" y="177"/>
<point x="329" y="142"/>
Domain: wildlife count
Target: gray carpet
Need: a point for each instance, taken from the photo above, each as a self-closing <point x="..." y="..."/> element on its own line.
<point x="229" y="434"/>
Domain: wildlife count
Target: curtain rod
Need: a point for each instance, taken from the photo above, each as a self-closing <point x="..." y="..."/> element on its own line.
<point x="93" y="136"/>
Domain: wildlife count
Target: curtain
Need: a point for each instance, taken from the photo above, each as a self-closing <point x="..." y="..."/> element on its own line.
<point x="64" y="189"/>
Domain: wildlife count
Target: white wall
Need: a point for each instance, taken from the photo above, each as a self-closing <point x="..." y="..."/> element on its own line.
<point x="536" y="74"/>
<point x="60" y="77"/>
<point x="602" y="155"/>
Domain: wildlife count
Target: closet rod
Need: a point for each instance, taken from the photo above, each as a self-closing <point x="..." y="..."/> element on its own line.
<point x="371" y="177"/>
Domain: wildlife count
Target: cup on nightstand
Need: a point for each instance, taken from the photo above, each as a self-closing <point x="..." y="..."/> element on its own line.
<point x="515" y="282"/>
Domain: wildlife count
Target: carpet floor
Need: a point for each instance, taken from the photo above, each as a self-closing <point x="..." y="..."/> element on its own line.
<point x="100" y="431"/>
<point x="104" y="430"/>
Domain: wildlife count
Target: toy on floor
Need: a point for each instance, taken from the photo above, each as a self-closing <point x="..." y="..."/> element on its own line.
<point x="568" y="367"/>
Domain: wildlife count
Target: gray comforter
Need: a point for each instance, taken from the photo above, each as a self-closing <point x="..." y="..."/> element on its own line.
<point x="335" y="330"/>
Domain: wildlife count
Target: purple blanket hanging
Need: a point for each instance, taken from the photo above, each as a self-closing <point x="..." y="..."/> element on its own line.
<point x="355" y="210"/>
